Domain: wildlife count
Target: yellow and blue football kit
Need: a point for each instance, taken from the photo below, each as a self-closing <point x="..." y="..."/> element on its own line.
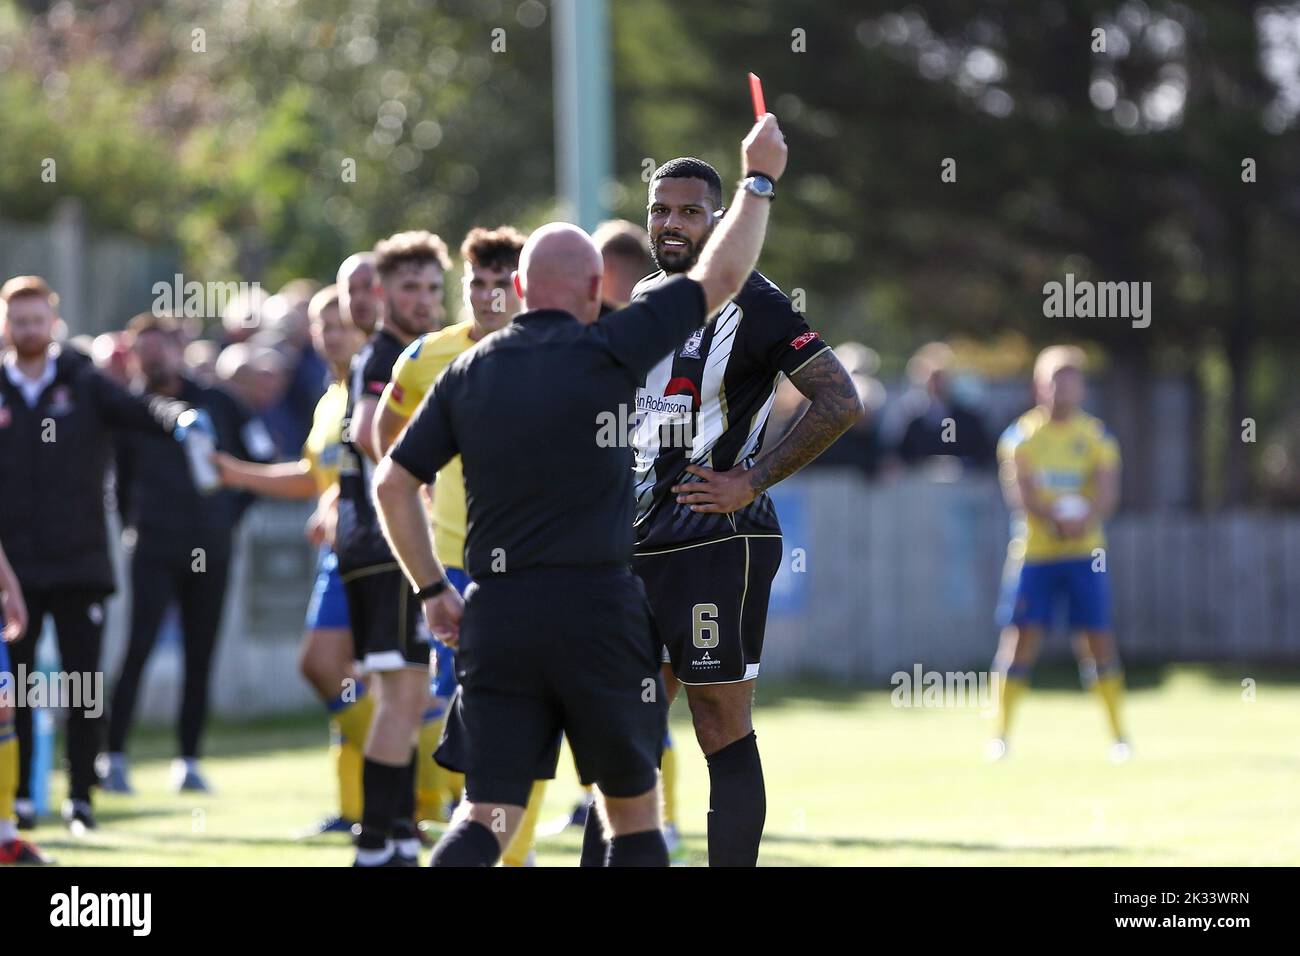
<point x="1047" y="570"/>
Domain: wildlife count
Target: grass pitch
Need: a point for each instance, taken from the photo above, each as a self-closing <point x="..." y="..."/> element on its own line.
<point x="851" y="780"/>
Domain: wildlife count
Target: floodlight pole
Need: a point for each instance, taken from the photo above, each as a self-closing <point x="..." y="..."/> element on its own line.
<point x="580" y="33"/>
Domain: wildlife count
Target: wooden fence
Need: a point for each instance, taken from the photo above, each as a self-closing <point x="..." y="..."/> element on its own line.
<point x="890" y="575"/>
<point x="908" y="572"/>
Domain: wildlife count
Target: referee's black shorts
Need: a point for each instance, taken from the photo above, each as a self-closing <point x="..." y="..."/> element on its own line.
<point x="388" y="629"/>
<point x="710" y="605"/>
<point x="551" y="651"/>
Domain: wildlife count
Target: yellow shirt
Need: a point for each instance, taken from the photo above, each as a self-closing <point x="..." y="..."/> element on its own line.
<point x="324" y="442"/>
<point x="1064" y="458"/>
<point x="416" y="370"/>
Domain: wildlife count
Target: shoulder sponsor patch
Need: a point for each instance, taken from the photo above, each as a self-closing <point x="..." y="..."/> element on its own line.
<point x="800" y="341"/>
<point x="399" y="393"/>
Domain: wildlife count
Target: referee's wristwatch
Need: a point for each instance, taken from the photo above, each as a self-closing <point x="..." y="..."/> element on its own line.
<point x="432" y="590"/>
<point x="759" y="184"/>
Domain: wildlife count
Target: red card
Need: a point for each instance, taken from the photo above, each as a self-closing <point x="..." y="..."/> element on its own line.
<point x="756" y="94"/>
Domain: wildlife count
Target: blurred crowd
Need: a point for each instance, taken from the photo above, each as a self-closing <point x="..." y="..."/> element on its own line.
<point x="262" y="352"/>
<point x="929" y="423"/>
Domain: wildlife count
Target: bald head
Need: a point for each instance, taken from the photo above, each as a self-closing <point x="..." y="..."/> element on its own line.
<point x="358" y="284"/>
<point x="560" y="268"/>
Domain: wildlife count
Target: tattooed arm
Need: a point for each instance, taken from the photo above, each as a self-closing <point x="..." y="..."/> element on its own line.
<point x="833" y="408"/>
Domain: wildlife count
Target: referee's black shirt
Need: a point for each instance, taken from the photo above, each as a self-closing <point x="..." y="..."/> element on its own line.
<point x="540" y="413"/>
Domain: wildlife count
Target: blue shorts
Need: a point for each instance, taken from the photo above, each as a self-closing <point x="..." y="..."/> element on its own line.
<point x="4" y="662"/>
<point x="1045" y="591"/>
<point x="329" y="602"/>
<point x="443" y="683"/>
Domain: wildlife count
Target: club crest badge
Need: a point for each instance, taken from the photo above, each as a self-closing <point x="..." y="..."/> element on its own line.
<point x="692" y="347"/>
<point x="60" y="401"/>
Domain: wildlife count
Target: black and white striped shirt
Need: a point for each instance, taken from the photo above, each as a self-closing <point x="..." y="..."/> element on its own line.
<point x="359" y="540"/>
<point x="707" y="403"/>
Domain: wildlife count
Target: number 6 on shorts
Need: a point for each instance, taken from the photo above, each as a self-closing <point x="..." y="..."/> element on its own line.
<point x="704" y="626"/>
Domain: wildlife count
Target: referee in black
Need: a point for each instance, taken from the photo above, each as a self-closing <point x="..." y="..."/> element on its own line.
<point x="556" y="635"/>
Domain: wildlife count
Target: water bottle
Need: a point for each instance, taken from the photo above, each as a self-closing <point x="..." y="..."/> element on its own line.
<point x="195" y="432"/>
<point x="43" y="725"/>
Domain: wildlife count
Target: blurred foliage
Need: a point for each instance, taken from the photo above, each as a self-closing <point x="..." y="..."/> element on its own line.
<point x="224" y="127"/>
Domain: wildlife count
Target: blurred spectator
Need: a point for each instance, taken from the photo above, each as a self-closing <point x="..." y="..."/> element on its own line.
<point x="335" y="340"/>
<point x="201" y="361"/>
<point x="112" y="356"/>
<point x="859" y="447"/>
<point x="170" y="522"/>
<point x="242" y="316"/>
<point x="931" y="421"/>
<point x="625" y="248"/>
<point x="285" y="316"/>
<point x="82" y="343"/>
<point x="359" y="294"/>
<point x="257" y="376"/>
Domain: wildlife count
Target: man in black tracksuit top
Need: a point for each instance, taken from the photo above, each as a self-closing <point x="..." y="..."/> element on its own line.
<point x="179" y="541"/>
<point x="57" y="418"/>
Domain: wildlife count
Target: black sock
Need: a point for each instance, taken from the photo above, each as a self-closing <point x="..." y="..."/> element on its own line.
<point x="380" y="783"/>
<point x="404" y="809"/>
<point x="468" y="843"/>
<point x="737" y="803"/>
<point x="594" y="846"/>
<point x="646" y="848"/>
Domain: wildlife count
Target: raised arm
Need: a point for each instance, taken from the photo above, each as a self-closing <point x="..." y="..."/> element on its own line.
<point x="732" y="252"/>
<point x="678" y="307"/>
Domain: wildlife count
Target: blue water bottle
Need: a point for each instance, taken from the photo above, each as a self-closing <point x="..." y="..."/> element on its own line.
<point x="47" y="664"/>
<point x="198" y="436"/>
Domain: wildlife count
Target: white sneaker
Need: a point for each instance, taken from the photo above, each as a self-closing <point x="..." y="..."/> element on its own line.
<point x="1121" y="751"/>
<point x="186" y="777"/>
<point x="78" y="816"/>
<point x="112" y="772"/>
<point x="996" y="750"/>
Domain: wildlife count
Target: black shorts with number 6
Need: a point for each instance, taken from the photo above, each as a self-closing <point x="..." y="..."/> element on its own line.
<point x="710" y="605"/>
